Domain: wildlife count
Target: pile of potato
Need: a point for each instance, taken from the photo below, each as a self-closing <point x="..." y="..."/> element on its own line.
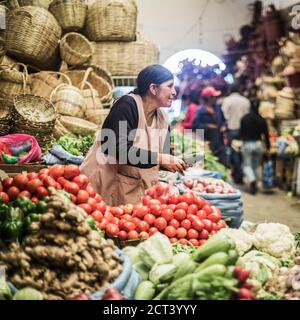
<point x="63" y="256"/>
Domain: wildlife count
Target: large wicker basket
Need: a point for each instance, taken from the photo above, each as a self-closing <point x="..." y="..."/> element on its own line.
<point x="75" y="49"/>
<point x="35" y="116"/>
<point x="44" y="82"/>
<point x="38" y="3"/>
<point x="8" y="61"/>
<point x="70" y="14"/>
<point x="125" y="58"/>
<point x="13" y="81"/>
<point x="112" y="20"/>
<point x="91" y="97"/>
<point x="97" y="116"/>
<point x="97" y="77"/>
<point x="5" y="117"/>
<point x="32" y="35"/>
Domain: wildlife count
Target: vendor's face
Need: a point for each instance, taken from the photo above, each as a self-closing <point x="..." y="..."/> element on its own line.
<point x="165" y="94"/>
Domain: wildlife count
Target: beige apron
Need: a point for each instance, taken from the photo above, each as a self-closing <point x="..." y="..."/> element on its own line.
<point x="119" y="183"/>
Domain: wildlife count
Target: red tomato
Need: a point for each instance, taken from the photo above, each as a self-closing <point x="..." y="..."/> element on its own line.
<point x="20" y="181"/>
<point x="44" y="171"/>
<point x="215" y="227"/>
<point x="32" y="175"/>
<point x="144" y="235"/>
<point x="108" y="216"/>
<point x="127" y="217"/>
<point x="153" y="202"/>
<point x="82" y="196"/>
<point x="129" y="226"/>
<point x="214" y="217"/>
<point x="213" y="233"/>
<point x="163" y="199"/>
<point x="71" y="171"/>
<point x="81" y="180"/>
<point x="62" y="181"/>
<point x="101" y="206"/>
<point x="128" y="208"/>
<point x="145" y="200"/>
<point x="179" y="215"/>
<point x="201" y="242"/>
<point x="25" y="194"/>
<point x="182" y="206"/>
<point x="72" y="187"/>
<point x="42" y="192"/>
<point x="204" y="234"/>
<point x="208" y="209"/>
<point x="115" y="211"/>
<point x="152" y="231"/>
<point x="98" y="198"/>
<point x="194" y="242"/>
<point x="160" y="223"/>
<point x="173" y="240"/>
<point x="149" y="218"/>
<point x="171" y="206"/>
<point x="170" y="232"/>
<point x="133" y="235"/>
<point x="151" y="192"/>
<point x="97" y="215"/>
<point x="74" y="198"/>
<point x="198" y="224"/>
<point x="186" y="224"/>
<point x="112" y="229"/>
<point x="207" y="225"/>
<point x="56" y="171"/>
<point x="91" y="191"/>
<point x="161" y="188"/>
<point x="13" y="193"/>
<point x="201" y="214"/>
<point x="183" y="241"/>
<point x="192" y="234"/>
<point x="103" y="224"/>
<point x="192" y="209"/>
<point x="174" y="223"/>
<point x="140" y="211"/>
<point x="136" y="221"/>
<point x="58" y="186"/>
<point x="122" y="235"/>
<point x="35" y="199"/>
<point x="121" y="223"/>
<point x="191" y="217"/>
<point x="167" y="214"/>
<point x="48" y="182"/>
<point x="173" y="199"/>
<point x="222" y="224"/>
<point x="4" y="197"/>
<point x="181" y="233"/>
<point x="93" y="203"/>
<point x="1" y="188"/>
<point x="200" y="202"/>
<point x="155" y="209"/>
<point x="188" y="197"/>
<point x="33" y="184"/>
<point x="86" y="207"/>
<point x="115" y="221"/>
<point x="7" y="183"/>
<point x="143" y="226"/>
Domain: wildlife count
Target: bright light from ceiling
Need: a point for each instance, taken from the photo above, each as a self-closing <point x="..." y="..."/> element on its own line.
<point x="205" y="57"/>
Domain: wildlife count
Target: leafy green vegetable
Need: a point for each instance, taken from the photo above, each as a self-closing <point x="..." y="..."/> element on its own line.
<point x="178" y="248"/>
<point x="78" y="146"/>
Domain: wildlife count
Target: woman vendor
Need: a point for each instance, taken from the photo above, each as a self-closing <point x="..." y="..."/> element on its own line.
<point x="134" y="141"/>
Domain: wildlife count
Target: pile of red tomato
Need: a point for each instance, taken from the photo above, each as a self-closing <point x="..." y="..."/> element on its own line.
<point x="182" y="218"/>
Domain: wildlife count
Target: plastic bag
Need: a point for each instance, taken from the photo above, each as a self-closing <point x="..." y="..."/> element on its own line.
<point x="268" y="175"/>
<point x="13" y="140"/>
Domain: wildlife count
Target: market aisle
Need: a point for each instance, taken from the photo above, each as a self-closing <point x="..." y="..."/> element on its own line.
<point x="274" y="207"/>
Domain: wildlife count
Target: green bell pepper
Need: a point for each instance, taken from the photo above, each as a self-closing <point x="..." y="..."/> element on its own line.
<point x="11" y="230"/>
<point x="41" y="207"/>
<point x="4" y="211"/>
<point x="9" y="159"/>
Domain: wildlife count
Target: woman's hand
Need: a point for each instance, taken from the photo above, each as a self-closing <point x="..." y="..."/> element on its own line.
<point x="172" y="163"/>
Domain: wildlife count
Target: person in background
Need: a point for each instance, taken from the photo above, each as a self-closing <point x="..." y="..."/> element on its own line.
<point x="187" y="123"/>
<point x="234" y="107"/>
<point x="254" y="130"/>
<point x="210" y="118"/>
<point x="185" y="102"/>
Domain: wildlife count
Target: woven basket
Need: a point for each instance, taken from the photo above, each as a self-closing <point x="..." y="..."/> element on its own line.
<point x="125" y="58"/>
<point x="32" y="35"/>
<point x="38" y="3"/>
<point x="8" y="61"/>
<point x="60" y="130"/>
<point x="75" y="48"/>
<point x="95" y="76"/>
<point x="70" y="14"/>
<point x="78" y="126"/>
<point x="91" y="96"/>
<point x="112" y="20"/>
<point x="2" y="49"/>
<point x="5" y="117"/>
<point x="97" y="116"/>
<point x="44" y="82"/>
<point x="68" y="100"/>
<point x="35" y="116"/>
<point x="13" y="82"/>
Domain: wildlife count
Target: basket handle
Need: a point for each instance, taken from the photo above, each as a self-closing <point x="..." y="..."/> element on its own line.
<point x="86" y="75"/>
<point x="92" y="90"/>
<point x="54" y="90"/>
<point x="63" y="75"/>
<point x="116" y="4"/>
<point x="25" y="71"/>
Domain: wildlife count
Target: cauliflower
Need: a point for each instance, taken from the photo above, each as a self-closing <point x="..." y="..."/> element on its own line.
<point x="275" y="239"/>
<point x="242" y="239"/>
